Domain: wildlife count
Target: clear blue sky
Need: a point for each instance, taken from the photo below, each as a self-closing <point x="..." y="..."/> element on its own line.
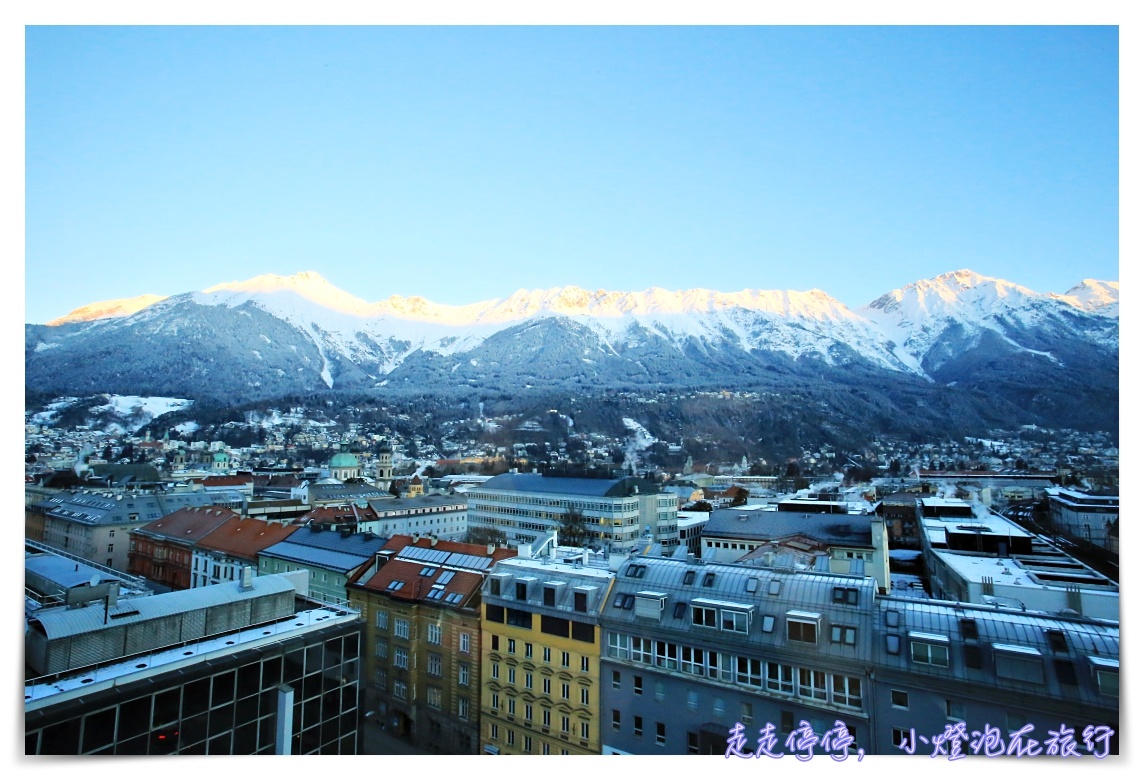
<point x="462" y="164"/>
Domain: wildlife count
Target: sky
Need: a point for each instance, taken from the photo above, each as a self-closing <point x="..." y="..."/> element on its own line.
<point x="464" y="163"/>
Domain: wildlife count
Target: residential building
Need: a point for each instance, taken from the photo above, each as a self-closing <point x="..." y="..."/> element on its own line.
<point x="163" y="550"/>
<point x="422" y="665"/>
<point x="95" y="524"/>
<point x="540" y="656"/>
<point x="619" y="512"/>
<point x="223" y="553"/>
<point x="231" y="669"/>
<point x="333" y="558"/>
<point x="692" y="648"/>
<point x="445" y="517"/>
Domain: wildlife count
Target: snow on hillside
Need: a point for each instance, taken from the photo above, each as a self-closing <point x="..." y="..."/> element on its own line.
<point x="102" y="310"/>
<point x="135" y="406"/>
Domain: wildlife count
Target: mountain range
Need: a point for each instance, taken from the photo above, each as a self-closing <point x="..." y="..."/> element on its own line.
<point x="958" y="344"/>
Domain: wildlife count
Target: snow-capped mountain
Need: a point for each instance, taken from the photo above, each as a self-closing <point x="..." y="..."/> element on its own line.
<point x="274" y="335"/>
<point x="104" y="310"/>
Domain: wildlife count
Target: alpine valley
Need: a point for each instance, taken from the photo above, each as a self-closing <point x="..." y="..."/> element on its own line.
<point x="957" y="354"/>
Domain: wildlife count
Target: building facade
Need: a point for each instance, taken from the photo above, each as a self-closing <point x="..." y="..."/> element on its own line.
<point x="1083" y="515"/>
<point x="619" y="513"/>
<point x="541" y="655"/>
<point x="422" y="672"/>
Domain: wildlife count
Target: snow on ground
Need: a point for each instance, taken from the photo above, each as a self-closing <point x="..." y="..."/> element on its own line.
<point x="152" y="406"/>
<point x="187" y="427"/>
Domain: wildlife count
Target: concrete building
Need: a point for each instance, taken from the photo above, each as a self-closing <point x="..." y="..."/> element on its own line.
<point x="1083" y="515"/>
<point x="856" y="543"/>
<point x="231" y="669"/>
<point x="222" y="554"/>
<point x="445" y="517"/>
<point x="540" y="653"/>
<point x="163" y="550"/>
<point x="619" y="512"/>
<point x="977" y="556"/>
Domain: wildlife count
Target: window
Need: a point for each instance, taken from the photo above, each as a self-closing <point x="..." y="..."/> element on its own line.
<point x="494" y="731"/>
<point x="382" y="619"/>
<point x="528" y="680"/>
<point x="465" y="642"/>
<point x="401" y="628"/>
<point x="899" y="736"/>
<point x="734" y="621"/>
<point x="511" y="706"/>
<point x="434" y="664"/>
<point x="768" y="624"/>
<point x="546" y="717"/>
<point x="496" y="701"/>
<point x="693" y="742"/>
<point x="847" y="691"/>
<point x="636" y="570"/>
<point x="433" y="697"/>
<point x="616" y="720"/>
<point x="718" y="707"/>
<point x="496" y="642"/>
<point x="802" y="631"/>
<point x="400" y="689"/>
<point x="928" y="653"/>
<point x="660" y="691"/>
<point x="565" y="660"/>
<point x="843" y="635"/>
<point x="401" y="658"/>
<point x="709" y="579"/>
<point x="381" y="648"/>
<point x="1015" y="662"/>
<point x="780" y="678"/>
<point x="584" y="731"/>
<point x="900" y="700"/>
<point x="463" y="708"/>
<point x="954" y="710"/>
<point x="584" y="663"/>
<point x="637" y="725"/>
<point x="565" y="688"/>
<point x="749" y="671"/>
<point x="584" y="696"/>
<point x="747" y="713"/>
<point x="580" y="601"/>
<point x="688" y="577"/>
<point x="548" y="686"/>
<point x="693" y="700"/>
<point x="549" y="596"/>
<point x="615" y="679"/>
<point x="111" y="548"/>
<point x="528" y="649"/>
<point x="637" y="685"/>
<point x="522" y="591"/>
<point x="528" y="744"/>
<point x="660" y="733"/>
<point x="495" y="672"/>
<point x="703" y="616"/>
<point x="463" y="674"/>
<point x="565" y="724"/>
<point x="512" y="647"/>
<point x="548" y="655"/>
<point x="1108" y="681"/>
<point x="680" y="609"/>
<point x="812" y="684"/>
<point x="434" y="634"/>
<point x="512" y="675"/>
<point x="846" y="596"/>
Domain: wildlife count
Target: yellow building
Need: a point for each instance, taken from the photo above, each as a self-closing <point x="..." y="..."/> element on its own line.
<point x="540" y="655"/>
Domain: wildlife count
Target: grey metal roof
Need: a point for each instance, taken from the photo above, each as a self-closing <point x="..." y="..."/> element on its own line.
<point x="577" y="486"/>
<point x="417" y="502"/>
<point x="61" y="621"/>
<point x="741" y="584"/>
<point x="315" y="556"/>
<point x="737" y="523"/>
<point x="363" y="544"/>
<point x="594" y="583"/>
<point x="64" y="572"/>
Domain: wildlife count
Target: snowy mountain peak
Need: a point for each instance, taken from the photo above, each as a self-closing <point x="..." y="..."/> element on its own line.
<point x="308" y="285"/>
<point x="1094" y="296"/>
<point x="104" y="310"/>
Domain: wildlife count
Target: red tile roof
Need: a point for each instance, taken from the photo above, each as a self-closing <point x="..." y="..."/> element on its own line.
<point x="245" y="537"/>
<point x="190" y="524"/>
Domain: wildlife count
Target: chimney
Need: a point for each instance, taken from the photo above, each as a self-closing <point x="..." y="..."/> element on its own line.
<point x="247" y="582"/>
<point x="492" y="548"/>
<point x="433" y="540"/>
<point x="416" y="537"/>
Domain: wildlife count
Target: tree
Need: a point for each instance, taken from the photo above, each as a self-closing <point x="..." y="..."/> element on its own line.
<point x="574" y="530"/>
<point x="482" y="535"/>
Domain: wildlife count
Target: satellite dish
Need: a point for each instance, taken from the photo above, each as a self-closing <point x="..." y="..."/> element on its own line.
<point x="94" y="580"/>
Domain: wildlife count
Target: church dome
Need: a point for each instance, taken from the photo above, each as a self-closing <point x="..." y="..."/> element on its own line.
<point x="344" y="460"/>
